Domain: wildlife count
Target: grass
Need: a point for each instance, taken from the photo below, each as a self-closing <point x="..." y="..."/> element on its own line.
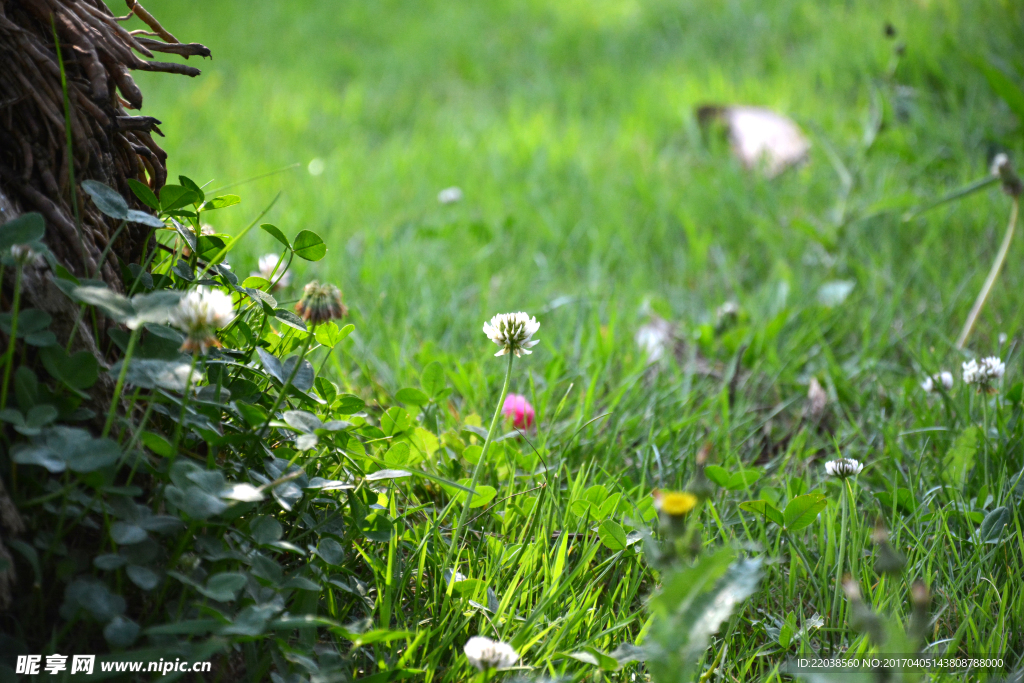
<point x="590" y="191"/>
<point x="569" y="127"/>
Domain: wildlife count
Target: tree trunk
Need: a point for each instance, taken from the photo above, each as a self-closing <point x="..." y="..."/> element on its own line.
<point x="107" y="144"/>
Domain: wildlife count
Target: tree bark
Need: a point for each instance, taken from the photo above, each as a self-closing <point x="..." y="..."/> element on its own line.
<point x="107" y="144"/>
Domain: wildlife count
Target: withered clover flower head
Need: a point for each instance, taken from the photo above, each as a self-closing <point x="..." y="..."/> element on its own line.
<point x="888" y="560"/>
<point x="320" y="303"/>
<point x="1003" y="169"/>
<point x="513" y="332"/>
<point x="843" y="467"/>
<point x="199" y="314"/>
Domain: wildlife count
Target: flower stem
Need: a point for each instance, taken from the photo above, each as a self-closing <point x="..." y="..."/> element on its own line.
<point x="132" y="341"/>
<point x="986" y="289"/>
<point x="135" y="438"/>
<point x="839" y="563"/>
<point x="984" y="436"/>
<point x="852" y="507"/>
<point x="9" y="358"/>
<point x="184" y="407"/>
<point x="479" y="466"/>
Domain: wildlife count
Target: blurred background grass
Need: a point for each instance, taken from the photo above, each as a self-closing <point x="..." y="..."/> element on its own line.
<point x="590" y="189"/>
<point x="569" y="125"/>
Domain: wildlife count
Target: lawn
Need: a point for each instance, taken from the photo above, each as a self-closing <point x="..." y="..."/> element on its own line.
<point x="595" y="201"/>
<point x="569" y="127"/>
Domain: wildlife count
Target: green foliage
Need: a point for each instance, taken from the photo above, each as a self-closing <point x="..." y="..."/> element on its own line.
<point x="960" y="458"/>
<point x="305" y="539"/>
<point x="112" y="204"/>
<point x="24" y="229"/>
<point x="802" y="510"/>
<point x="734" y="481"/>
<point x="689" y="608"/>
<point x="309" y="246"/>
<point x="1004" y="86"/>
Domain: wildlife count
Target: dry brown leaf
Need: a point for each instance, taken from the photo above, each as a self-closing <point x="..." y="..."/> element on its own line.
<point x="817" y="400"/>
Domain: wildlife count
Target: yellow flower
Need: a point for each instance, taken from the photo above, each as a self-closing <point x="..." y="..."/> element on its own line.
<point x="676" y="504"/>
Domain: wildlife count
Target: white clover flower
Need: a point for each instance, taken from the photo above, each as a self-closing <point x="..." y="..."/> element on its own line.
<point x="484" y="653"/>
<point x="726" y="314"/>
<point x="24" y="254"/>
<point x="177" y="376"/>
<point x="512" y="332"/>
<point x="728" y="308"/>
<point x="945" y="378"/>
<point x="985" y="373"/>
<point x="453" y="577"/>
<point x="999" y="162"/>
<point x="199" y="315"/>
<point x="970" y="371"/>
<point x="843" y="467"/>
<point x="450" y="195"/>
<point x="654" y="339"/>
<point x="266" y="266"/>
